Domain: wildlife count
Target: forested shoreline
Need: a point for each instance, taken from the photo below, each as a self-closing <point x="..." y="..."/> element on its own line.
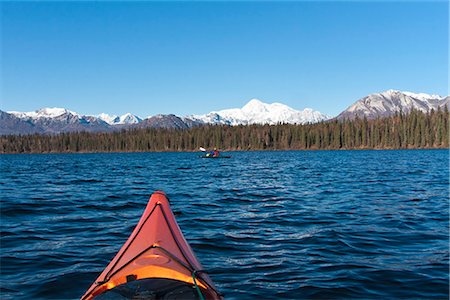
<point x="414" y="130"/>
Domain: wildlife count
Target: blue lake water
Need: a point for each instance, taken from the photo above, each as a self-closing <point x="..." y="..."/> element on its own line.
<point x="297" y="224"/>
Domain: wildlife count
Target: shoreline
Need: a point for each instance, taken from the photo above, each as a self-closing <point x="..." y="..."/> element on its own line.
<point x="232" y="150"/>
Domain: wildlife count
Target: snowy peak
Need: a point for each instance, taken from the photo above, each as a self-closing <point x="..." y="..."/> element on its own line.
<point x="419" y="96"/>
<point x="258" y="112"/>
<point x="127" y="118"/>
<point x="392" y="101"/>
<point x="53" y="112"/>
<point x="49" y="113"/>
<point x="110" y="119"/>
<point x="255" y="105"/>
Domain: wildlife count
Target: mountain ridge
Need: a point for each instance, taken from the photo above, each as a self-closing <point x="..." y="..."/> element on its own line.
<point x="54" y="120"/>
<point x="393" y="101"/>
<point x="57" y="120"/>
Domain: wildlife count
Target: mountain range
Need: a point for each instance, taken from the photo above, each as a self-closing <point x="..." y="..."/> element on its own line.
<point x="56" y="120"/>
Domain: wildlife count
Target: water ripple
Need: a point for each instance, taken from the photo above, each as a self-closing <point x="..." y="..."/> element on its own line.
<point x="266" y="225"/>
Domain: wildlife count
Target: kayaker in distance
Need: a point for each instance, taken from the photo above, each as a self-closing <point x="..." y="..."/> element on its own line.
<point x="213" y="153"/>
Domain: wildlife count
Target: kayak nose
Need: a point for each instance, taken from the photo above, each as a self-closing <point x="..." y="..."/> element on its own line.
<point x="155" y="254"/>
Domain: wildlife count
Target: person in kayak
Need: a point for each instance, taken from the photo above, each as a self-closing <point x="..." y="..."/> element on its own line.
<point x="216" y="152"/>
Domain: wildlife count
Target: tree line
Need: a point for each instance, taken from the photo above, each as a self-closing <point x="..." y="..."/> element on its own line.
<point x="401" y="131"/>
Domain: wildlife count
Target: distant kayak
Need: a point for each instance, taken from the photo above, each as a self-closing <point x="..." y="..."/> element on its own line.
<point x="156" y="262"/>
<point x="210" y="156"/>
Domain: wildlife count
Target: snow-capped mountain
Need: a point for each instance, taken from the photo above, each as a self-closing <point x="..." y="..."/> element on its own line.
<point x="258" y="112"/>
<point x="110" y="119"/>
<point x="389" y="102"/>
<point x="54" y="112"/>
<point x="56" y="120"/>
<point x="50" y="120"/>
<point x="127" y="118"/>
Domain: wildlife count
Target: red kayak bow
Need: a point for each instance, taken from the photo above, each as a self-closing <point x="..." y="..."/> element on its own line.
<point x="155" y="262"/>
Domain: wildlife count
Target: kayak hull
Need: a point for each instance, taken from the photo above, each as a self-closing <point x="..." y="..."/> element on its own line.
<point x="156" y="251"/>
<point x="220" y="156"/>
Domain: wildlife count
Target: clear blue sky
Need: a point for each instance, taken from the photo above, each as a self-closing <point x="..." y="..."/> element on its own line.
<point x="195" y="57"/>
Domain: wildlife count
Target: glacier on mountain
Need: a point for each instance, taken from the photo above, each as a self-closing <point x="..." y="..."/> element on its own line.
<point x="258" y="112"/>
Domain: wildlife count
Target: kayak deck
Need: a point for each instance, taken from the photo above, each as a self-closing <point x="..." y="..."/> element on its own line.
<point x="155" y="255"/>
<point x="220" y="156"/>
